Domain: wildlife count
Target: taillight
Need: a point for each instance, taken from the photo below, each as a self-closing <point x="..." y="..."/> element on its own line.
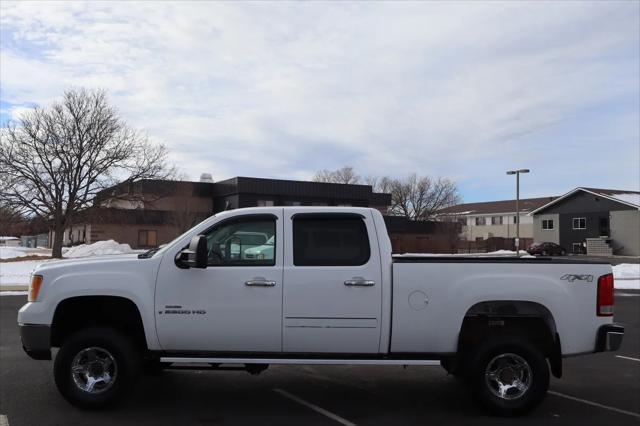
<point x="605" y="296"/>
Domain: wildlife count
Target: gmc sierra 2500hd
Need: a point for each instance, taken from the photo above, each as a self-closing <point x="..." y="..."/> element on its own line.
<point x="304" y="285"/>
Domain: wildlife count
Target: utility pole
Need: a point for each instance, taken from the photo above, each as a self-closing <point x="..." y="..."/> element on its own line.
<point x="517" y="173"/>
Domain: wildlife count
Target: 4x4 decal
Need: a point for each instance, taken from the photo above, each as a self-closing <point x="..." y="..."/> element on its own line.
<point x="576" y="277"/>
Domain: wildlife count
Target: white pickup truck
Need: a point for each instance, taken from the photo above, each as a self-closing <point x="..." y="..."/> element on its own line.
<point x="328" y="291"/>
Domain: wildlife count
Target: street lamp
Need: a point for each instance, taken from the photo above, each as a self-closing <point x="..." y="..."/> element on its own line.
<point x="517" y="173"/>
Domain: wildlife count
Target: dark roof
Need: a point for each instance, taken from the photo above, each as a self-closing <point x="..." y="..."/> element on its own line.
<point x="252" y="185"/>
<point x="605" y="193"/>
<point x="504" y="206"/>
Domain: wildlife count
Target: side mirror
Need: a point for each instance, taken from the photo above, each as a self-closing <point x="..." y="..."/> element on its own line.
<point x="195" y="256"/>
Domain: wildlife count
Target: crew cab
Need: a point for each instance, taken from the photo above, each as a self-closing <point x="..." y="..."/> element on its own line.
<point x="317" y="285"/>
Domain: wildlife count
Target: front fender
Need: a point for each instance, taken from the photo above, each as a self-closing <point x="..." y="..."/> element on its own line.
<point x="130" y="279"/>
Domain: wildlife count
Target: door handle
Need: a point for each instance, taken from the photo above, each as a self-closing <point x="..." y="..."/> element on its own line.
<point x="359" y="282"/>
<point x="260" y="283"/>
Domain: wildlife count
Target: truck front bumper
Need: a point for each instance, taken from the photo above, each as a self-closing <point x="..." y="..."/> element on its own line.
<point x="36" y="340"/>
<point x="609" y="337"/>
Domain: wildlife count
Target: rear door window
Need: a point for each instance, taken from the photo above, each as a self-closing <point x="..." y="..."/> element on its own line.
<point x="330" y="240"/>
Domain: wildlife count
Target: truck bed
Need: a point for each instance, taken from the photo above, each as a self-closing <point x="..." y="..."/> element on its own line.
<point x="432" y="295"/>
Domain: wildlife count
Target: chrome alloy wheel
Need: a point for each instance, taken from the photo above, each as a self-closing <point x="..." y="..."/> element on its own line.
<point x="94" y="370"/>
<point x="508" y="376"/>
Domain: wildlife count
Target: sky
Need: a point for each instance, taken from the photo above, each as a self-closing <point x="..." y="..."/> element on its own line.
<point x="464" y="90"/>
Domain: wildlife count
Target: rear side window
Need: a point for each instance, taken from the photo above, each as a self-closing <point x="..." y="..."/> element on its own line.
<point x="330" y="240"/>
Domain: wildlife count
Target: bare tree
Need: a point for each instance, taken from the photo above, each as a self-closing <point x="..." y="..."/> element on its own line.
<point x="55" y="159"/>
<point x="344" y="175"/>
<point x="414" y="197"/>
<point x="420" y="197"/>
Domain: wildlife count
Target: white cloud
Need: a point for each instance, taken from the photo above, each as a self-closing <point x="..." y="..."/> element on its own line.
<point x="283" y="89"/>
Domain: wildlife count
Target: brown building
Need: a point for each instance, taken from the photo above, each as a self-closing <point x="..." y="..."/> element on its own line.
<point x="148" y="213"/>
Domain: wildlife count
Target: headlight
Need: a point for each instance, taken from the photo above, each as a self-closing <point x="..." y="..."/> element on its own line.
<point x="34" y="287"/>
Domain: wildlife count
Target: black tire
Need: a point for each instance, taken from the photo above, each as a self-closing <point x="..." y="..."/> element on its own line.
<point x="544" y="253"/>
<point x="121" y="356"/>
<point x="502" y="350"/>
<point x="563" y="253"/>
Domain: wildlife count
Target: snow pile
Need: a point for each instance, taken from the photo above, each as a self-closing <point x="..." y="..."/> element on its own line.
<point x="98" y="248"/>
<point x="627" y="276"/>
<point x="627" y="270"/>
<point x="523" y="253"/>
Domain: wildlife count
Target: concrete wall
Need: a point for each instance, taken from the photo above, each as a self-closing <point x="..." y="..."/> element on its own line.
<point x="543" y="235"/>
<point x="625" y="232"/>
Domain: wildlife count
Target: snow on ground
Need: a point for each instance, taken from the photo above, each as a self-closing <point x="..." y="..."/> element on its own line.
<point x="627" y="276"/>
<point x="11" y="252"/>
<point x="13" y="293"/>
<point x="17" y="273"/>
<point x="98" y="248"/>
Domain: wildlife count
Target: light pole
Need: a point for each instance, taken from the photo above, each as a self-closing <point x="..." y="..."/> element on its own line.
<point x="517" y="173"/>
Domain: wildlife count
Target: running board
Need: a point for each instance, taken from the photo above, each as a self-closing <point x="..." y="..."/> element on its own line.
<point x="302" y="361"/>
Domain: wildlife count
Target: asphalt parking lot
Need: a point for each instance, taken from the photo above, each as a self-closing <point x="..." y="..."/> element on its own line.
<point x="596" y="389"/>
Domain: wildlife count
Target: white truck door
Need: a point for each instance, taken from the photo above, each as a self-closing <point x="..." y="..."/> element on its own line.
<point x="235" y="304"/>
<point x="332" y="283"/>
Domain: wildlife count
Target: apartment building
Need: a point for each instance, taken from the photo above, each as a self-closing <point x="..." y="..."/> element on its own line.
<point x="491" y="219"/>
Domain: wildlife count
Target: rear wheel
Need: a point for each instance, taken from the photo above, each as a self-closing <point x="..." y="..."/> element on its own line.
<point x="509" y="377"/>
<point x="95" y="366"/>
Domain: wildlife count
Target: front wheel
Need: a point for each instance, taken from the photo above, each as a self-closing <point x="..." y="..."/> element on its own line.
<point x="95" y="366"/>
<point x="509" y="377"/>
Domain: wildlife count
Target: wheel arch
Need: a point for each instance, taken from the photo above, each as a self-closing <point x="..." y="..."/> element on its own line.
<point x="516" y="318"/>
<point x="75" y="313"/>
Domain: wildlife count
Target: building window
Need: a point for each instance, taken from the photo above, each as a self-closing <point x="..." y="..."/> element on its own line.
<point x="481" y="220"/>
<point x="547" y="224"/>
<point x="578" y="248"/>
<point x="265" y="203"/>
<point x="147" y="238"/>
<point x="579" y="223"/>
<point x="496" y="220"/>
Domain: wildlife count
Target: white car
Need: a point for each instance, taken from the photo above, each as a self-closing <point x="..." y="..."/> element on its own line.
<point x="264" y="251"/>
<point x="328" y="291"/>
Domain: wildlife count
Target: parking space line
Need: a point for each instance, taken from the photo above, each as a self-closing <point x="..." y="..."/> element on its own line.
<point x="595" y="404"/>
<point x="628" y="357"/>
<point x="4" y="420"/>
<point x="315" y="408"/>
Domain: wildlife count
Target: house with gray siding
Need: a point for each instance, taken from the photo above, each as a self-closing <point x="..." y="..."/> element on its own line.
<point x="591" y="221"/>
